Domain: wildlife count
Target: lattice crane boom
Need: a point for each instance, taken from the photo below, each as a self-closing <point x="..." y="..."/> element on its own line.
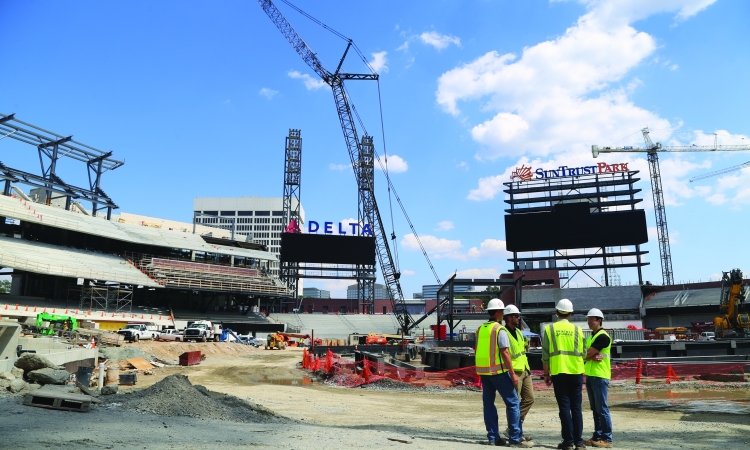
<point x="720" y="172"/>
<point x="362" y="170"/>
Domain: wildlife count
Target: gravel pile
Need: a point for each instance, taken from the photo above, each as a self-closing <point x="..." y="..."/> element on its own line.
<point x="123" y="353"/>
<point x="176" y="396"/>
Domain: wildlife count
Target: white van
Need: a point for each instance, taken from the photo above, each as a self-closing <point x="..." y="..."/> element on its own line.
<point x="707" y="336"/>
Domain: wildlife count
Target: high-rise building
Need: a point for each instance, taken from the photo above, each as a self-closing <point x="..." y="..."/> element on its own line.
<point x="380" y="292"/>
<point x="315" y="293"/>
<point x="256" y="219"/>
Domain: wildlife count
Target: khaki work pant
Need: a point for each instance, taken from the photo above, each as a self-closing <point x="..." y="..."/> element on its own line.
<point x="525" y="390"/>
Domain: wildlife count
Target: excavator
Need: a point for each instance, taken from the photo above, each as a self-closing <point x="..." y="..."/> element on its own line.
<point x="733" y="293"/>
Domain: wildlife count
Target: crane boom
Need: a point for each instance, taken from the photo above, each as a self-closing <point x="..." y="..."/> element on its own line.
<point x="652" y="150"/>
<point x="361" y="155"/>
<point x="720" y="172"/>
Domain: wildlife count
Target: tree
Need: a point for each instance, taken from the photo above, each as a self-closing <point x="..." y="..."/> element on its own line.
<point x="4" y="287"/>
<point x="486" y="300"/>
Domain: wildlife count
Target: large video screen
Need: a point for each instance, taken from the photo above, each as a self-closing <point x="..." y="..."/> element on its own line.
<point x="327" y="248"/>
<point x="573" y="225"/>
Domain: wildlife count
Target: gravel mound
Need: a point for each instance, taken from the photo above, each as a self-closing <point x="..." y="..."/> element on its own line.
<point x="176" y="396"/>
<point x="123" y="353"/>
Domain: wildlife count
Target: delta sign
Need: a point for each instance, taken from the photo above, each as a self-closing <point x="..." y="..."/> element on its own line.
<point x="525" y="173"/>
<point x="353" y="228"/>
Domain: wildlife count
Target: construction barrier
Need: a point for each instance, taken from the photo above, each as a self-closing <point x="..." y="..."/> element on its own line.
<point x="345" y="372"/>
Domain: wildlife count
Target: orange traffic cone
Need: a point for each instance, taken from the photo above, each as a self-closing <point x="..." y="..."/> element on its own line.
<point x="671" y="375"/>
<point x="93" y="343"/>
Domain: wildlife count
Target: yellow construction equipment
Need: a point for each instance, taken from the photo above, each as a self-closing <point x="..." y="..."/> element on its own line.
<point x="733" y="323"/>
<point x="275" y="341"/>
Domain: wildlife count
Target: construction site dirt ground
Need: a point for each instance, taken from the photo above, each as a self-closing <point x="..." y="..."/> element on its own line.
<point x="338" y="417"/>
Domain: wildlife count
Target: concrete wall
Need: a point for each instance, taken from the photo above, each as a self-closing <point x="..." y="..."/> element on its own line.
<point x="56" y="352"/>
<point x="608" y="299"/>
<point x="9" y="333"/>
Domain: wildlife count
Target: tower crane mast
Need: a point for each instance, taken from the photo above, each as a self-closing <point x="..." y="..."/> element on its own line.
<point x="361" y="155"/>
<point x="652" y="151"/>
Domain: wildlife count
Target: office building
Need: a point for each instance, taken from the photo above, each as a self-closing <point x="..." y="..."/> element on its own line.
<point x="313" y="292"/>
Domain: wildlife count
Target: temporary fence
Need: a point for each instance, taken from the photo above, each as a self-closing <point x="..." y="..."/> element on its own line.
<point x="346" y="372"/>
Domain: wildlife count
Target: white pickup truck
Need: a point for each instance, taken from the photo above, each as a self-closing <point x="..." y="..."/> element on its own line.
<point x="171" y="335"/>
<point x="203" y="330"/>
<point x="134" y="332"/>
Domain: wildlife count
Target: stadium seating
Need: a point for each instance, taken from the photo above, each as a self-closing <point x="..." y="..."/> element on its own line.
<point x="68" y="262"/>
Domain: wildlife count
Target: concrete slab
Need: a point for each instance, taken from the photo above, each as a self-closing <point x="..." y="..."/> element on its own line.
<point x="44" y="398"/>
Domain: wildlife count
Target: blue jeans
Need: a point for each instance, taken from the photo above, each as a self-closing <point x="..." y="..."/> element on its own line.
<point x="597" y="389"/>
<point x="569" y="393"/>
<point x="501" y="383"/>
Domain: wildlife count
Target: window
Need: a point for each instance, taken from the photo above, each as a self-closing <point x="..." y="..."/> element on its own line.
<point x="244" y="213"/>
<point x="278" y="213"/>
<point x="262" y="220"/>
<point x="262" y="213"/>
<point x="385" y="310"/>
<point x="227" y="213"/>
<point x="213" y="213"/>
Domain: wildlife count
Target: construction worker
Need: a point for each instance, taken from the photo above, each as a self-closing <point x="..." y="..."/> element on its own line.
<point x="598" y="373"/>
<point x="494" y="367"/>
<point x="518" y="347"/>
<point x="562" y="359"/>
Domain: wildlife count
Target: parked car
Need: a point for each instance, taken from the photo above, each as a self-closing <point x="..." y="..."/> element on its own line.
<point x="171" y="335"/>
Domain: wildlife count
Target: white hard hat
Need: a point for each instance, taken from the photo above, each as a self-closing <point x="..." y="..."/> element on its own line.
<point x="594" y="312"/>
<point x="565" y="306"/>
<point x="494" y="304"/>
<point x="511" y="309"/>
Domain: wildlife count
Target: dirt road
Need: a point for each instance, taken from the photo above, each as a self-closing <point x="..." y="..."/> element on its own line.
<point x="333" y="417"/>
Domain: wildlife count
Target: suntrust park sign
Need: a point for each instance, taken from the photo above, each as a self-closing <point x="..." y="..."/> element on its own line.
<point x="525" y="173"/>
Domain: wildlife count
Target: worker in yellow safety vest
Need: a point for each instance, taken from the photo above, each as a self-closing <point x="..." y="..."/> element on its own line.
<point x="562" y="359"/>
<point x="518" y="347"/>
<point x="494" y="367"/>
<point x="598" y="371"/>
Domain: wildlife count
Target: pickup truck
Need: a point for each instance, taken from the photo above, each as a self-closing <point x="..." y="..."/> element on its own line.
<point x="203" y="330"/>
<point x="171" y="335"/>
<point x="134" y="332"/>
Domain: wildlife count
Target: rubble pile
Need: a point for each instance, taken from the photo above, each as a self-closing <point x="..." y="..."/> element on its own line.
<point x="31" y="371"/>
<point x="176" y="396"/>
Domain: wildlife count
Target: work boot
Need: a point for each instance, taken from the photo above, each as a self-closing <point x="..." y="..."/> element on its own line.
<point x="522" y="444"/>
<point x="526" y="437"/>
<point x="602" y="444"/>
<point x="589" y="441"/>
<point x="564" y="446"/>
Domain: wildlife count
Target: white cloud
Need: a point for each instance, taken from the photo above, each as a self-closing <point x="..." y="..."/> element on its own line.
<point x="444" y="225"/>
<point x="489" y="248"/>
<point x="268" y="93"/>
<point x="463" y="165"/>
<point x="439" y="41"/>
<point x="310" y="82"/>
<point x="408" y="272"/>
<point x="339" y="167"/>
<point x="477" y="273"/>
<point x="403" y="47"/>
<point x="395" y="164"/>
<point x="558" y="95"/>
<point x="674" y="67"/>
<point x="379" y="62"/>
<point x="436" y="247"/>
<point x="337" y="287"/>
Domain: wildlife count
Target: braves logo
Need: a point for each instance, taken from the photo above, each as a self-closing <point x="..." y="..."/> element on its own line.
<point x="522" y="173"/>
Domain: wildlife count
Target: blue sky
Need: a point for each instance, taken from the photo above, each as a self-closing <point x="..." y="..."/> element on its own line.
<point x="197" y="98"/>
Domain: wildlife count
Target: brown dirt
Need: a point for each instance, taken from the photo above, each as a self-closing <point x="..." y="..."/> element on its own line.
<point x="447" y="419"/>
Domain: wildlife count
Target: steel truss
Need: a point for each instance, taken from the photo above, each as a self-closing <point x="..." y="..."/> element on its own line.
<point x="51" y="148"/>
<point x="603" y="192"/>
<point x="289" y="271"/>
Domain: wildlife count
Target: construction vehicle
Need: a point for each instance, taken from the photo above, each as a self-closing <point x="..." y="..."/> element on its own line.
<point x="51" y="324"/>
<point x="733" y="323"/>
<point x="136" y="331"/>
<point x="203" y="330"/>
<point x="276" y="341"/>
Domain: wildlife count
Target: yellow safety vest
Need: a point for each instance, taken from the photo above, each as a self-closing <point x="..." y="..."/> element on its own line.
<point x="518" y="351"/>
<point x="603" y="368"/>
<point x="566" y="352"/>
<point x="488" y="359"/>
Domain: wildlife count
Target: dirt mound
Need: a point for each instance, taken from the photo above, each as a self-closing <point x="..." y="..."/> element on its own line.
<point x="176" y="396"/>
<point x="171" y="351"/>
<point x="122" y="353"/>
